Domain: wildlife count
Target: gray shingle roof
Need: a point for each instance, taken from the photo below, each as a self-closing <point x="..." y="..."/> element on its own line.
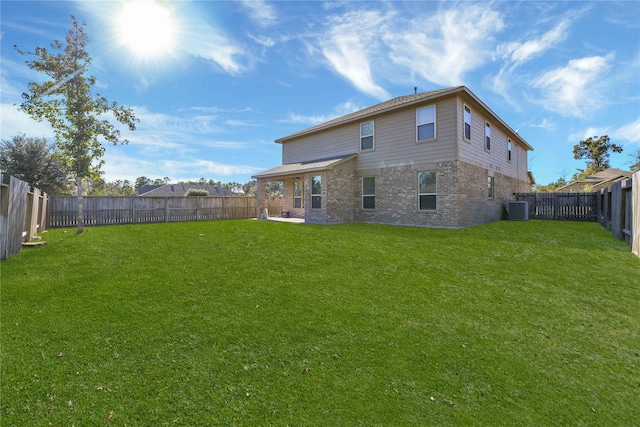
<point x="601" y="179"/>
<point x="314" y="165"/>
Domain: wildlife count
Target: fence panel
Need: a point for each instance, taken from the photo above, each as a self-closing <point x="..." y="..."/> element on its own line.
<point x="21" y="214"/>
<point x="150" y="209"/>
<point x="627" y="225"/>
<point x="618" y="209"/>
<point x="561" y="206"/>
<point x="635" y="214"/>
<point x="133" y="210"/>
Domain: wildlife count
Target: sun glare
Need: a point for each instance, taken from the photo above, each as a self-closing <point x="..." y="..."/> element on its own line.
<point x="146" y="28"/>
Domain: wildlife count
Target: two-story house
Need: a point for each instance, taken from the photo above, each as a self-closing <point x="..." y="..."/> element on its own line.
<point x="438" y="159"/>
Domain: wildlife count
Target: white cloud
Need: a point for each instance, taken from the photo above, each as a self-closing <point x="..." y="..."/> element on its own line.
<point x="262" y="13"/>
<point x="120" y="166"/>
<point x="338" y="111"/>
<point x="351" y="40"/>
<point x="444" y="47"/>
<point x="575" y="90"/>
<point x="589" y="132"/>
<point x="545" y="124"/>
<point x="206" y="43"/>
<point x="629" y="132"/>
<point x="517" y="53"/>
<point x="227" y="145"/>
<point x="521" y="52"/>
<point x="14" y="122"/>
<point x="168" y="124"/>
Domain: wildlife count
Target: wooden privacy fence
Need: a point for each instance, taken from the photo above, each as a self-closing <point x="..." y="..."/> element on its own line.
<point x="616" y="208"/>
<point x="561" y="206"/>
<point x="106" y="210"/>
<point x="23" y="214"/>
<point x="619" y="210"/>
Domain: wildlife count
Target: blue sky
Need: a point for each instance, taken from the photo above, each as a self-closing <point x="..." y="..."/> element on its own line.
<point x="215" y="83"/>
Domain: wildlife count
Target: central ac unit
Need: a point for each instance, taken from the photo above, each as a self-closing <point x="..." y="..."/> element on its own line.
<point x="518" y="210"/>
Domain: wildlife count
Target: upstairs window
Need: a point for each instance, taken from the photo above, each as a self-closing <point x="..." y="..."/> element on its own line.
<point x="297" y="194"/>
<point x="509" y="150"/>
<point x="426" y="123"/>
<point x="427" y="191"/>
<point x="487" y="136"/>
<point x="368" y="192"/>
<point x="316" y="192"/>
<point x="366" y="136"/>
<point x="467" y="123"/>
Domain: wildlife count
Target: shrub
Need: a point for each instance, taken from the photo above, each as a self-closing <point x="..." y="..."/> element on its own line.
<point x="196" y="192"/>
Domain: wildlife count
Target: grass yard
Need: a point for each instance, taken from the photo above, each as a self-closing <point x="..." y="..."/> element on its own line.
<point x="261" y="323"/>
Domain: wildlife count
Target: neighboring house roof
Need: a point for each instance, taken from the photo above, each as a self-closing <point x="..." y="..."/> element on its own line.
<point x="179" y="190"/>
<point x="146" y="188"/>
<point x="396" y="103"/>
<point x="595" y="182"/>
<point x="310" y="166"/>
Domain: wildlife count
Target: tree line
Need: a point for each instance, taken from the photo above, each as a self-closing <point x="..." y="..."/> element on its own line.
<point x="39" y="164"/>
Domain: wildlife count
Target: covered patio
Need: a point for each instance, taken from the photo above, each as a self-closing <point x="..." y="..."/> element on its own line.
<point x="304" y="189"/>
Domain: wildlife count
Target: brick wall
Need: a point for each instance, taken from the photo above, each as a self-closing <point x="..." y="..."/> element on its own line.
<point x="287" y="196"/>
<point x="462" y="196"/>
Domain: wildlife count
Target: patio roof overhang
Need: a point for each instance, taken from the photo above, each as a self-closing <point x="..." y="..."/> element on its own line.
<point x="304" y="167"/>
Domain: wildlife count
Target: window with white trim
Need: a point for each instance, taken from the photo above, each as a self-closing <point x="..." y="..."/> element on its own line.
<point x="487" y="136"/>
<point x="426" y="123"/>
<point x="490" y="187"/>
<point x="509" y="150"/>
<point x="427" y="191"/>
<point x="366" y="136"/>
<point x="316" y="192"/>
<point x="297" y="194"/>
<point x="368" y="192"/>
<point x="467" y="123"/>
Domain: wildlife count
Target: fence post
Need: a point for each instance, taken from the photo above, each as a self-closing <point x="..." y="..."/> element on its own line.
<point x="43" y="204"/>
<point x="635" y="211"/>
<point x="166" y="209"/>
<point x="617" y="210"/>
<point x="4" y="218"/>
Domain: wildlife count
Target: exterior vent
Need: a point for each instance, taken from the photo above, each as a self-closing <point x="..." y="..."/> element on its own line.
<point x="518" y="210"/>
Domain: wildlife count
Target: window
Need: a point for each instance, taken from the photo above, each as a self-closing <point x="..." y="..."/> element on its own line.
<point x="467" y="123"/>
<point x="369" y="192"/>
<point x="427" y="191"/>
<point x="426" y="123"/>
<point x="366" y="136"/>
<point x="316" y="192"/>
<point x="297" y="194"/>
<point x="487" y="136"/>
<point x="509" y="150"/>
<point x="490" y="187"/>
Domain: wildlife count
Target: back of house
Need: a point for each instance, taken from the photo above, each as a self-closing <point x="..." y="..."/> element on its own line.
<point x="438" y="159"/>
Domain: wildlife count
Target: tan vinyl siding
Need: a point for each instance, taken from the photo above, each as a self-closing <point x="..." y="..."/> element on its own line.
<point x="474" y="152"/>
<point x="323" y="145"/>
<point x="394" y="140"/>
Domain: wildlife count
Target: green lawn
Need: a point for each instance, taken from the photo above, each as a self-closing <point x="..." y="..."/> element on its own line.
<point x="263" y="323"/>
